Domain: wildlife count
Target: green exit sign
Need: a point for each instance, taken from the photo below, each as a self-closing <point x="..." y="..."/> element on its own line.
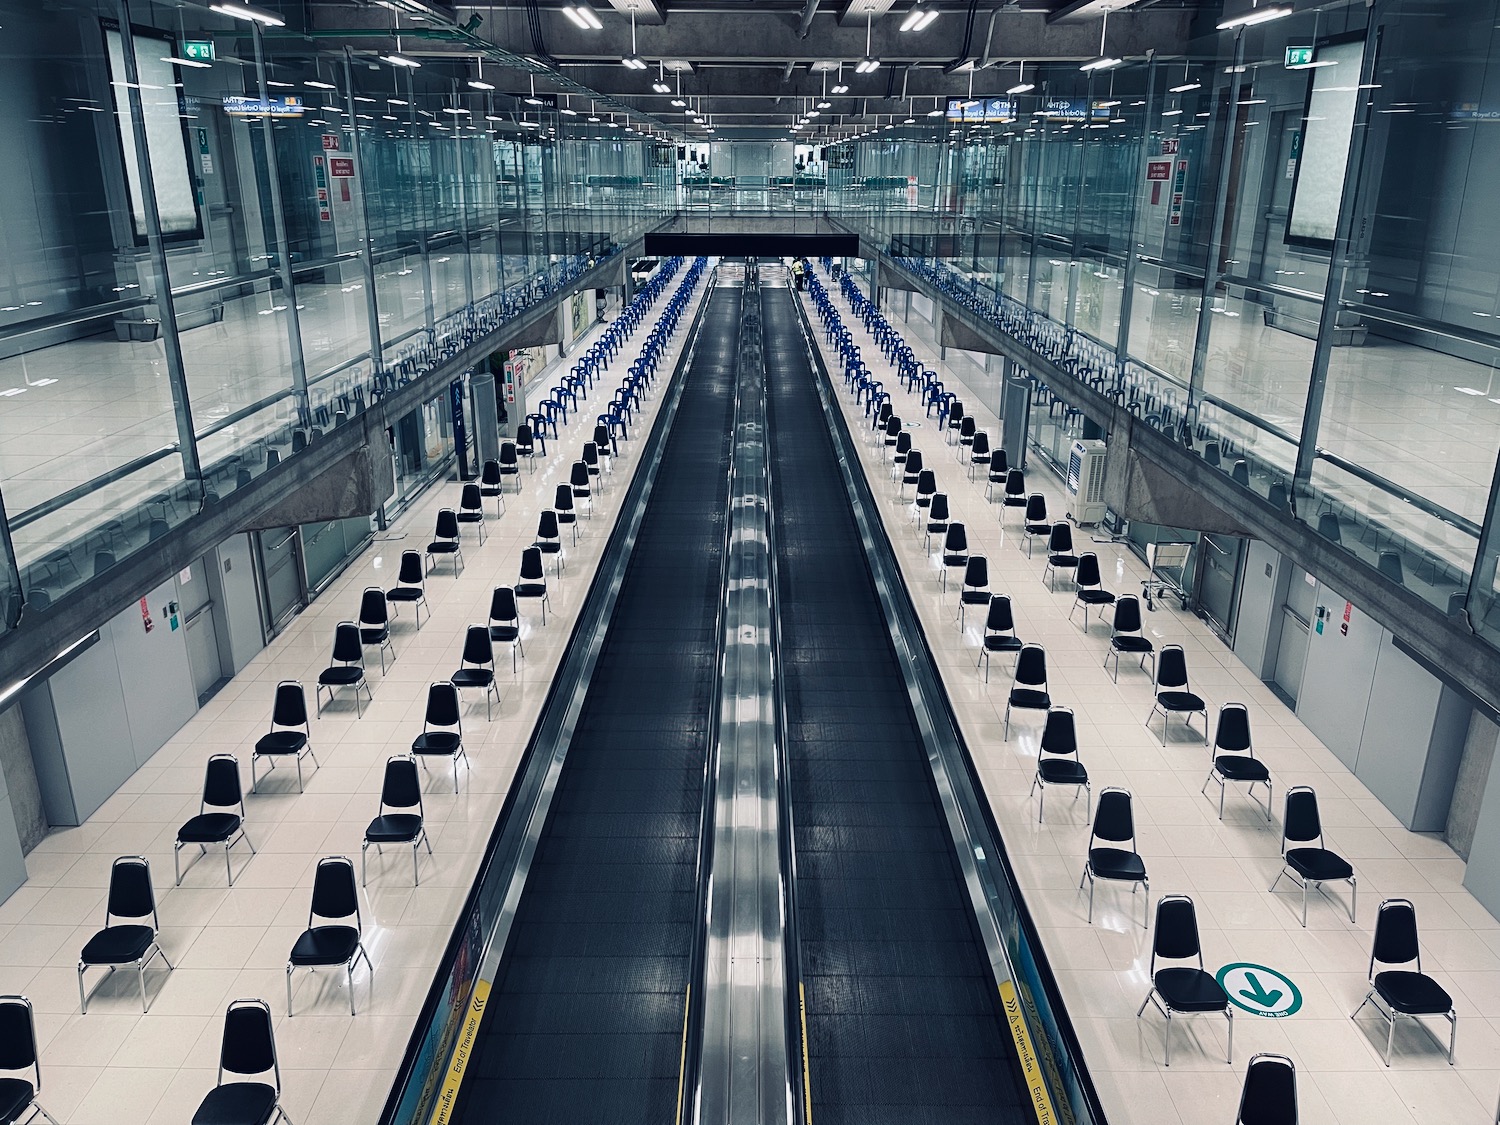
<point x="202" y="50"/>
<point x="1299" y="56"/>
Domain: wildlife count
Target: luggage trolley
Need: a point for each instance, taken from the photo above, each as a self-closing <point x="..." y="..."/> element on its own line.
<point x="1169" y="565"/>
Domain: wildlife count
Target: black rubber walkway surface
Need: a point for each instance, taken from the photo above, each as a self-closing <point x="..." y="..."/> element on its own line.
<point x="584" y="1025"/>
<point x="903" y="1017"/>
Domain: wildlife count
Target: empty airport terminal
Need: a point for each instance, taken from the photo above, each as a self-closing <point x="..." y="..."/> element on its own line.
<point x="749" y="562"/>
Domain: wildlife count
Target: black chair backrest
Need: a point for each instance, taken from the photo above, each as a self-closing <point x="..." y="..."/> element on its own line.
<point x="1113" y="821"/>
<point x="130" y="893"/>
<point x="334" y="894"/>
<point x="562" y="499"/>
<point x="546" y="525"/>
<point x="1396" y="934"/>
<point x="590" y="453"/>
<point x="346" y="646"/>
<point x="17" y="1034"/>
<point x="411" y="569"/>
<point x="402" y="786"/>
<point x="1233" y="732"/>
<point x="1270" y="1093"/>
<point x="477" y="647"/>
<point x="447" y="524"/>
<point x="507" y="453"/>
<point x="981" y="444"/>
<point x="1328" y="527"/>
<point x="1088" y="570"/>
<point x="1301" y="823"/>
<point x="490" y="474"/>
<point x="1031" y="665"/>
<point x="903" y="443"/>
<point x="1176" y="935"/>
<point x="1036" y="508"/>
<point x="927" y="483"/>
<point x="503" y="604"/>
<point x="1000" y="619"/>
<point x="290" y="708"/>
<point x="221" y="782"/>
<point x="1171" y="668"/>
<point x="1060" y="736"/>
<point x="442" y="705"/>
<point x="579" y="476"/>
<point x="1060" y="539"/>
<point x="1015" y="483"/>
<point x="523" y="435"/>
<point x="601" y="438"/>
<point x="469" y="499"/>
<point x="914" y="462"/>
<point x="372" y="607"/>
<point x="892" y="426"/>
<point x="1127" y="611"/>
<point x="249" y="1046"/>
<point x="531" y="564"/>
<point x="977" y="572"/>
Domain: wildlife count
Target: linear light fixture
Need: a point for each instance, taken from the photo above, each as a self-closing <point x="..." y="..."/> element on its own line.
<point x="583" y="16"/>
<point x="869" y="64"/>
<point x="401" y="60"/>
<point x="919" y="17"/>
<point x="1105" y="61"/>
<point x="633" y="61"/>
<point x="1256" y="16"/>
<point x="1022" y="86"/>
<point x="247" y="12"/>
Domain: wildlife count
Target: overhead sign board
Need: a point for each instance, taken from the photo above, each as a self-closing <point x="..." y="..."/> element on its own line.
<point x="237" y="106"/>
<point x="199" y="50"/>
<point x="1299" y="56"/>
<point x="980" y="110"/>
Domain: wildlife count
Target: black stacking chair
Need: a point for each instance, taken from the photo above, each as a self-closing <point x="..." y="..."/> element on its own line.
<point x="979" y="453"/>
<point x="442" y="729"/>
<point x="892" y="433"/>
<point x="477" y="669"/>
<point x="1182" y="989"/>
<point x="18" y="1052"/>
<point x="604" y="445"/>
<point x="289" y="734"/>
<point x="955" y="554"/>
<point x="899" y="453"/>
<point x="583" y="489"/>
<point x="1028" y="691"/>
<point x="999" y="473"/>
<point x="347" y="668"/>
<point x="562" y="505"/>
<point x="1057" y="762"/>
<point x="526" y="446"/>
<point x="215" y="824"/>
<point x="911" y="472"/>
<point x="1036" y="525"/>
<point x="509" y="464"/>
<point x="411" y="585"/>
<point x="492" y="484"/>
<point x="471" y="508"/>
<point x="126" y="941"/>
<point x="1404" y="992"/>
<point x="590" y="460"/>
<point x="1060" y="554"/>
<point x="396" y="823"/>
<point x="446" y="541"/>
<point x="999" y="632"/>
<point x="1089" y="590"/>
<point x="375" y="623"/>
<point x="533" y="583"/>
<point x="1269" y="1096"/>
<point x="937" y="519"/>
<point x="1234" y="757"/>
<point x="1128" y="635"/>
<point x="1174" y="695"/>
<point x="505" y="622"/>
<point x="1329" y="527"/>
<point x="1308" y="861"/>
<point x="1114" y="824"/>
<point x="330" y="939"/>
<point x="549" y="538"/>
<point x="967" y="428"/>
<point x="248" y="1048"/>
<point x="926" y="490"/>
<point x="1015" y="496"/>
<point x="976" y="587"/>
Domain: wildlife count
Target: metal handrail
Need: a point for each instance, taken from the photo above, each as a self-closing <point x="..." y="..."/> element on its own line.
<point x="1437" y="511"/>
<point x="1424" y="324"/>
<point x="76" y="316"/>
<point x="79" y="491"/>
<point x="215" y="284"/>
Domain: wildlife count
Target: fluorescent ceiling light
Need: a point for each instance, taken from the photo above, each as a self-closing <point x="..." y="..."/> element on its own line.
<point x="476" y="84"/>
<point x="661" y="87"/>
<point x="246" y="12"/>
<point x="919" y="18"/>
<point x="678" y="102"/>
<point x="583" y="16"/>
<point x="400" y="60"/>
<point x="569" y="111"/>
<point x="825" y="105"/>
<point x="840" y="89"/>
<point x="867" y="66"/>
<point x="1256" y="16"/>
<point x="531" y="124"/>
<point x="1104" y="62"/>
<point x="1314" y="65"/>
<point x="1185" y="87"/>
<point x="281" y="85"/>
<point x="1021" y="88"/>
<point x="195" y="63"/>
<point x="934" y="113"/>
<point x="1106" y="105"/>
<point x="455" y="111"/>
<point x="633" y="62"/>
<point x="316" y="85"/>
<point x="1171" y="112"/>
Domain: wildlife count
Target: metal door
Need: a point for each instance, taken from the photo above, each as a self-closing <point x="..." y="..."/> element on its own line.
<point x="200" y="632"/>
<point x="1218" y="580"/>
<point x="1296" y="624"/>
<point x="282" y="590"/>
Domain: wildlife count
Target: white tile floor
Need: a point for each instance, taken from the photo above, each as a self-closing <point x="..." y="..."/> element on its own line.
<point x="115" y="1066"/>
<point x="1226" y="866"/>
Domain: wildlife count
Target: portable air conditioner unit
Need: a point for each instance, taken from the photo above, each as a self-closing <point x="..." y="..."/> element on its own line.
<point x="1086" y="481"/>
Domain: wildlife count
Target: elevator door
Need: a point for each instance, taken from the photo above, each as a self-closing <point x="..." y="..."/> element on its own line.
<point x="282" y="588"/>
<point x="200" y="631"/>
<point x="1219" y="579"/>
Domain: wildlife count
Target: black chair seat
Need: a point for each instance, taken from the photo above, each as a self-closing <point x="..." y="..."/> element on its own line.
<point x="1413" y="994"/>
<point x="1179" y="701"/>
<point x="490" y="490"/>
<point x="444" y="547"/>
<point x="531" y="590"/>
<point x="510" y="470"/>
<point x="505" y="634"/>
<point x="1015" y="502"/>
<point x="117" y="945"/>
<point x="1096" y="597"/>
<point x="975" y="597"/>
<point x="1237" y="767"/>
<point x="1003" y="644"/>
<point x="955" y="560"/>
<point x="550" y="547"/>
<point x="1319" y="864"/>
<point x="1030" y="697"/>
<point x="237" y="1103"/>
<point x="281" y="742"/>
<point x="1116" y="863"/>
<point x="1038" y="529"/>
<point x="374" y="635"/>
<point x="209" y="828"/>
<point x="472" y="677"/>
<point x="567" y="517"/>
<point x="1131" y="644"/>
<point x="1062" y="771"/>
<point x="1190" y="990"/>
<point x="937" y="527"/>
<point x="325" y="945"/>
<point x="15" y="1096"/>
<point x="341" y="676"/>
<point x="394" y="828"/>
<point x="404" y="594"/>
<point x="436" y="742"/>
<point x="1062" y="562"/>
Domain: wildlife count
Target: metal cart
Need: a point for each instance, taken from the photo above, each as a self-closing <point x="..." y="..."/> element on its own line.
<point x="1169" y="568"/>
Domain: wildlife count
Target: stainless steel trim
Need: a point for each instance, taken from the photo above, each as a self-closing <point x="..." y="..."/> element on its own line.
<point x="77" y="316"/>
<point x="215" y="284"/>
<point x="197" y="613"/>
<point x="744" y="1075"/>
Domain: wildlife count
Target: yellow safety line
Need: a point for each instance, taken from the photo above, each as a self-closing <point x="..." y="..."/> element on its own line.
<point x="687" y="1000"/>
<point x="448" y="1093"/>
<point x="806" y="1072"/>
<point x="1041" y="1101"/>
